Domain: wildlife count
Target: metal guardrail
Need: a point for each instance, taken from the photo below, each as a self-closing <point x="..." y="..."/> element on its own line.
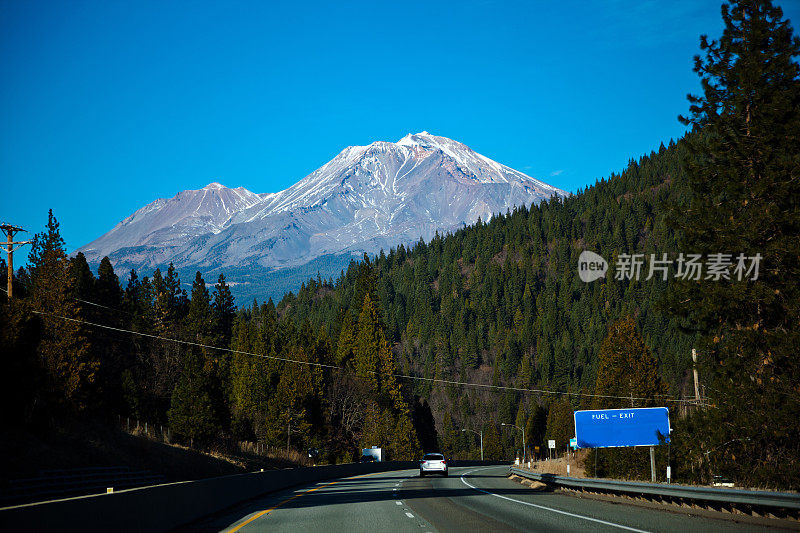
<point x="719" y="496"/>
<point x="57" y="483"/>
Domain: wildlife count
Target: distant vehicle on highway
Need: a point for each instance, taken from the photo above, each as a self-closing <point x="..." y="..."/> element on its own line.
<point x="367" y="459"/>
<point x="433" y="463"/>
<point x="374" y="451"/>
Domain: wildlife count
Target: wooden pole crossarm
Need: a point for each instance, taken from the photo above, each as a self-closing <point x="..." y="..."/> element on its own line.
<point x="10" y="230"/>
<point x="12" y="250"/>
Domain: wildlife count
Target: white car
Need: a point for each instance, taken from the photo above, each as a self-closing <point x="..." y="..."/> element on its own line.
<point x="433" y="463"/>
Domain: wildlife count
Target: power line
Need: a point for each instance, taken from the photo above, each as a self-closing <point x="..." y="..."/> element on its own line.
<point x="322" y="365"/>
<point x="336" y="367"/>
<point x="189" y="343"/>
<point x="88" y="302"/>
<point x="102" y="306"/>
<point x="404" y="376"/>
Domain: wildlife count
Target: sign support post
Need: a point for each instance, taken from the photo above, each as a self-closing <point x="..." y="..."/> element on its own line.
<point x="653" y="464"/>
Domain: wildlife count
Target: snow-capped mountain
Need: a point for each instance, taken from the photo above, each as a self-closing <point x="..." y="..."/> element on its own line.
<point x="364" y="199"/>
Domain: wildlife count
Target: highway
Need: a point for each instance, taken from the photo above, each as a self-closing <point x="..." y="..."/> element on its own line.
<point x="470" y="499"/>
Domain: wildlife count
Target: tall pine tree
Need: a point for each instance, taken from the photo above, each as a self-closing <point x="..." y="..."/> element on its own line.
<point x="744" y="173"/>
<point x="64" y="348"/>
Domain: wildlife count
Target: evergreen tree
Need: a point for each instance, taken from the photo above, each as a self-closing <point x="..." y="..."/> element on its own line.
<point x="107" y="291"/>
<point x="404" y="445"/>
<point x="162" y="313"/>
<point x="192" y="414"/>
<point x="224" y="311"/>
<point x="560" y="423"/>
<point x="69" y="363"/>
<point x="199" y="319"/>
<point x="492" y="447"/>
<point x="448" y="437"/>
<point x="625" y="368"/>
<point x="743" y="167"/>
<point x="82" y="278"/>
<point x="346" y="344"/>
<point x="374" y="363"/>
<point x="250" y="384"/>
<point x="425" y="425"/>
<point x="367" y="345"/>
<point x="132" y="299"/>
<point x="216" y="363"/>
<point x="113" y="356"/>
<point x="296" y="404"/>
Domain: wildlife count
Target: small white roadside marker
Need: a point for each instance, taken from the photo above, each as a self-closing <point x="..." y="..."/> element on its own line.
<point x="409" y="515"/>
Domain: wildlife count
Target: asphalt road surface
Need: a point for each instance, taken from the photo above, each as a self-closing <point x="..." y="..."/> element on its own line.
<point x="470" y="499"/>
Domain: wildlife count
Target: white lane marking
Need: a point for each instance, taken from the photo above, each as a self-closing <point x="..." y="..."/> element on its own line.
<point x="409" y="515"/>
<point x="612" y="524"/>
<point x="398" y="503"/>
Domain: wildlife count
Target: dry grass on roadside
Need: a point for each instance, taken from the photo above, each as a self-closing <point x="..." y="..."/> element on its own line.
<point x="558" y="467"/>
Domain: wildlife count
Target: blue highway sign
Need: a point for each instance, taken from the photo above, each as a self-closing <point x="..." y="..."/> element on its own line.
<point x="611" y="428"/>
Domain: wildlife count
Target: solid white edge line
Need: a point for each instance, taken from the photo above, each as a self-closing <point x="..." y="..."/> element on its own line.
<point x="612" y="524"/>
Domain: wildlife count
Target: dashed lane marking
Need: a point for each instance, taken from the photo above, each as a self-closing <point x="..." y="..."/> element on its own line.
<point x="409" y="515"/>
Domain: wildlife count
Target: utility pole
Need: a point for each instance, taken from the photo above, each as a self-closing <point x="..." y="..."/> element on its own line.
<point x="479" y="434"/>
<point x="696" y="380"/>
<point x="10" y="230"/>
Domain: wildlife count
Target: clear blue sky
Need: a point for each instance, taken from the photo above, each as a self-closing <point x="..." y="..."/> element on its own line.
<point x="106" y="106"/>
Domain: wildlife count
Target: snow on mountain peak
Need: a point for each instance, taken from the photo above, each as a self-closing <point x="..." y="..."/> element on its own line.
<point x="365" y="198"/>
<point x="416" y="139"/>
